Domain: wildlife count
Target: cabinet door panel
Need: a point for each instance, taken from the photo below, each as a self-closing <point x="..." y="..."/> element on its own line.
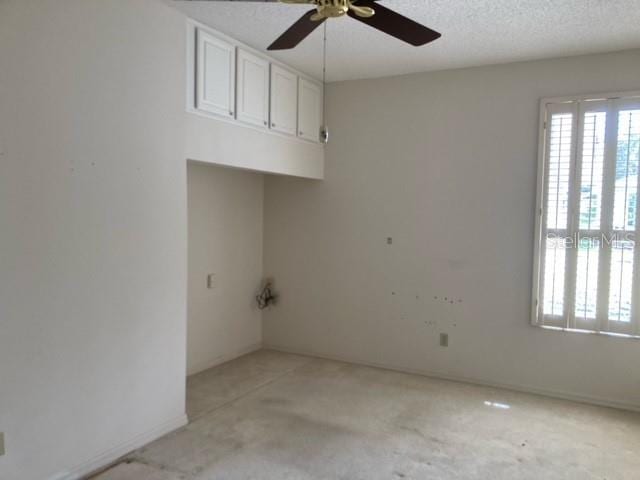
<point x="284" y="98"/>
<point x="253" y="89"/>
<point x="309" y="110"/>
<point x="215" y="73"/>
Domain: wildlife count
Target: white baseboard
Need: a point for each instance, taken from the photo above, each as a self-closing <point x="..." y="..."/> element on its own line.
<point x="602" y="402"/>
<point x="111" y="455"/>
<point x="224" y="358"/>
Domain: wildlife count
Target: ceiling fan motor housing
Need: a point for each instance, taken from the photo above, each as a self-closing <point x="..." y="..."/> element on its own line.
<point x="333" y="8"/>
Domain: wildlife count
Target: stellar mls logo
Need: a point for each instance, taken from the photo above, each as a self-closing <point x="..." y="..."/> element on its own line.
<point x="583" y="240"/>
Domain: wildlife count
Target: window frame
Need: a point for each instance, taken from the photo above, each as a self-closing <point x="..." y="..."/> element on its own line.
<point x="578" y="105"/>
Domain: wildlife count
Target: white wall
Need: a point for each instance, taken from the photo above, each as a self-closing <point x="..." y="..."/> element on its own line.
<point x="93" y="249"/>
<point x="225" y="238"/>
<point x="93" y="219"/>
<point x="445" y="163"/>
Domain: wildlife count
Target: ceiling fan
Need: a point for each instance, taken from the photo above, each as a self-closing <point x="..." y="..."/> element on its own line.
<point x="366" y="11"/>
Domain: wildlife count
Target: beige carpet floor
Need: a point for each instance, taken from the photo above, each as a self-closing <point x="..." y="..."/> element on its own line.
<point x="274" y="416"/>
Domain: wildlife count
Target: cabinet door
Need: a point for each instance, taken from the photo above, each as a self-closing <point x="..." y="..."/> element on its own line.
<point x="253" y="89"/>
<point x="284" y="96"/>
<point x="309" y="110"/>
<point x="215" y="74"/>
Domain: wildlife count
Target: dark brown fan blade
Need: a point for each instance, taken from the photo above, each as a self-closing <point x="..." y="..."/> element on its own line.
<point x="395" y="24"/>
<point x="297" y="32"/>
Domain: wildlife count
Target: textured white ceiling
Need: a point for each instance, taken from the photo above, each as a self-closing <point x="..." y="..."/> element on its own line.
<point x="474" y="32"/>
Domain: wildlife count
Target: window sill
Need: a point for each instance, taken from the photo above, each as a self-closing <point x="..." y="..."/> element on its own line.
<point x="589" y="332"/>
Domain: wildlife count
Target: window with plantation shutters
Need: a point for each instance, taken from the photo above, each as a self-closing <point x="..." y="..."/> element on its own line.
<point x="587" y="265"/>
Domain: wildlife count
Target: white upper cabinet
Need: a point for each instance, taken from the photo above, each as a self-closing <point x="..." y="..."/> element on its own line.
<point x="309" y="110"/>
<point x="229" y="80"/>
<point x="215" y="75"/>
<point x="253" y="89"/>
<point x="284" y="98"/>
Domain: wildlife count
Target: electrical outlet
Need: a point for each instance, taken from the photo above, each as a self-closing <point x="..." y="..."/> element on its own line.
<point x="444" y="339"/>
<point x="2" y="452"/>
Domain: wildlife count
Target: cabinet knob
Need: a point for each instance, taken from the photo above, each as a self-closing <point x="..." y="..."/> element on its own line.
<point x="273" y="124"/>
<point x="231" y="113"/>
<point x="265" y="122"/>
<point x="300" y="132"/>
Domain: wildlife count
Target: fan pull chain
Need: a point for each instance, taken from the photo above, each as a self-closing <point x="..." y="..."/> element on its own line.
<point x="324" y="130"/>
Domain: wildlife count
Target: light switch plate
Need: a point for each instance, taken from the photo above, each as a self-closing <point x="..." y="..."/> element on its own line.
<point x="444" y="339"/>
